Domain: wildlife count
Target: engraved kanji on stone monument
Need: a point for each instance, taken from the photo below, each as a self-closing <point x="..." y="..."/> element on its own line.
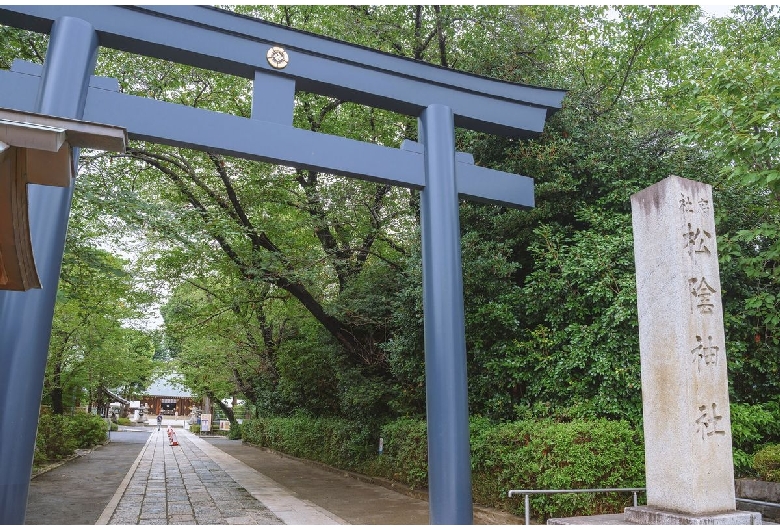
<point x="703" y="292"/>
<point x="688" y="459"/>
<point x="706" y="352"/>
<point x="709" y="421"/>
<point x="696" y="242"/>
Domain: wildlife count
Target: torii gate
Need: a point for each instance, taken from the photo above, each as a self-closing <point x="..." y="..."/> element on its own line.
<point x="279" y="61"/>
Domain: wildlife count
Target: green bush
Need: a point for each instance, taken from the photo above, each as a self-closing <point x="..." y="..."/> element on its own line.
<point x="59" y="436"/>
<point x="405" y="454"/>
<point x="335" y="442"/>
<point x="235" y="431"/>
<point x="195" y="428"/>
<point x="752" y="427"/>
<point x="767" y="463"/>
<point x="529" y="454"/>
<point x="124" y="421"/>
<point x="87" y="430"/>
<point x="52" y="442"/>
<point x="542" y="454"/>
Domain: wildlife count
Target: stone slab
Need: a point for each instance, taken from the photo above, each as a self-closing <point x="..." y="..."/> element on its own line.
<point x="647" y="515"/>
<point x="605" y="519"/>
<point x="759" y="490"/>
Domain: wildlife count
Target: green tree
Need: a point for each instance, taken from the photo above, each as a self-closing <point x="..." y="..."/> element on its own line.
<point x="735" y="95"/>
<point x="218" y="346"/>
<point x="93" y="345"/>
<point x="301" y="237"/>
<point x="734" y="116"/>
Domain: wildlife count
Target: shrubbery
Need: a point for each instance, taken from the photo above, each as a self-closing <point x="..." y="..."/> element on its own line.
<point x="235" y="431"/>
<point x="529" y="454"/>
<point x="86" y="430"/>
<point x="767" y="463"/>
<point x="539" y="454"/>
<point x="336" y="442"/>
<point x="52" y="441"/>
<point x="59" y="436"/>
<point x="752" y="427"/>
<point x="405" y="454"/>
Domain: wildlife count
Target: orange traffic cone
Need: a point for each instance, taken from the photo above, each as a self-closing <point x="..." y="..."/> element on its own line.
<point x="172" y="436"/>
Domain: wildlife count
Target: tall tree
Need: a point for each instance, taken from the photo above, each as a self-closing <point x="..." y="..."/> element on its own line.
<point x="733" y="114"/>
<point x="93" y="345"/>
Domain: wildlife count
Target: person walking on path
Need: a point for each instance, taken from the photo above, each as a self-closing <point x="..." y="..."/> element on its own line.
<point x="159" y="420"/>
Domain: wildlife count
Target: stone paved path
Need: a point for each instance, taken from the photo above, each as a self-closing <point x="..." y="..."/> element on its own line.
<point x="196" y="483"/>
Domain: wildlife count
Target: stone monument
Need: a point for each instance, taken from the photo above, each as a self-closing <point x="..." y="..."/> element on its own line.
<point x="688" y="458"/>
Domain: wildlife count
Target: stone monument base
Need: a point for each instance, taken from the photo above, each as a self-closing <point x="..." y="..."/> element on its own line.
<point x="650" y="515"/>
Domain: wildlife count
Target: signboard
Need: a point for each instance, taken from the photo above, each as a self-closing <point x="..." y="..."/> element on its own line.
<point x="224" y="425"/>
<point x="205" y="422"/>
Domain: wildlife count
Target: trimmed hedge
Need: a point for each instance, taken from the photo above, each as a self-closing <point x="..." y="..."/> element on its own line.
<point x="335" y="442"/>
<point x="548" y="455"/>
<point x="766" y="462"/>
<point x="405" y="455"/>
<point x="518" y="455"/>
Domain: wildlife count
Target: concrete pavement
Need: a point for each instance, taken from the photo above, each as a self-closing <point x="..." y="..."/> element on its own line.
<point x="76" y="491"/>
<point x="139" y="478"/>
<point x="196" y="483"/>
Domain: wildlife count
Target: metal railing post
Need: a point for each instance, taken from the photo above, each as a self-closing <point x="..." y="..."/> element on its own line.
<point x="527" y="510"/>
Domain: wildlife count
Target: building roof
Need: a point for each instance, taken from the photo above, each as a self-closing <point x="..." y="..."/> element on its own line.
<point x="168" y="385"/>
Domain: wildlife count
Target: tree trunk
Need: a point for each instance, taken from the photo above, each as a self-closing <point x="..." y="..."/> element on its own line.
<point x="57" y="406"/>
<point x="224" y="408"/>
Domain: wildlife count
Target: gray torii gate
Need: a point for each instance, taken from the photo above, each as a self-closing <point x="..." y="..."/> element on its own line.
<point x="280" y="61"/>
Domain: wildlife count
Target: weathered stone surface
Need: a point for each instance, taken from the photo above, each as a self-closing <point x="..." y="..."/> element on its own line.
<point x="689" y="467"/>
<point x="648" y="515"/>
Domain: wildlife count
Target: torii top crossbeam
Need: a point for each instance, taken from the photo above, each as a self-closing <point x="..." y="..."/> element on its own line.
<point x="219" y="40"/>
<point x="223" y="41"/>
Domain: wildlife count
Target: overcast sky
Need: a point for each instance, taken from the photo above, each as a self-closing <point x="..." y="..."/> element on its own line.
<point x="717" y="10"/>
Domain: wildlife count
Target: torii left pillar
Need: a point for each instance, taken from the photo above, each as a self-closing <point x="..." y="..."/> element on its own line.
<point x="26" y="317"/>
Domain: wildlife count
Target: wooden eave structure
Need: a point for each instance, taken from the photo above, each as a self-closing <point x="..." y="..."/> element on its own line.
<point x="36" y="149"/>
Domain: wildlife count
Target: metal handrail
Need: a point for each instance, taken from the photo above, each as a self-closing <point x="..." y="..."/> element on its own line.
<point x="527" y="493"/>
<point x="763" y="503"/>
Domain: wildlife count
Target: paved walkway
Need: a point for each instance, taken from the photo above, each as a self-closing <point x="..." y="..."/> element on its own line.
<point x="139" y="478"/>
<point x="196" y="483"/>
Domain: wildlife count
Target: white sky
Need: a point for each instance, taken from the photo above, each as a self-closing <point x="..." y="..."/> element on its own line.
<point x="717" y="10"/>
